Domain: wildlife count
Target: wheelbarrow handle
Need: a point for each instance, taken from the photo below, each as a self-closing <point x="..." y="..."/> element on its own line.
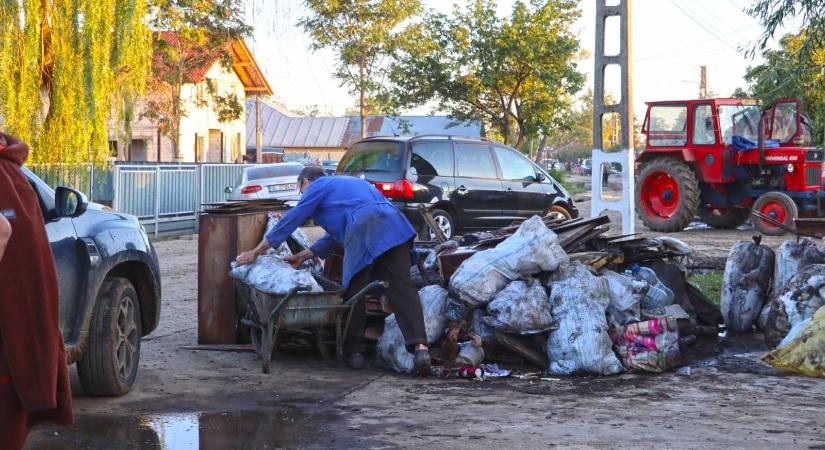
<point x="366" y="290"/>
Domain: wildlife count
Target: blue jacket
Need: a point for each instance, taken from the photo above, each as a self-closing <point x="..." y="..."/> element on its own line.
<point x="355" y="216"/>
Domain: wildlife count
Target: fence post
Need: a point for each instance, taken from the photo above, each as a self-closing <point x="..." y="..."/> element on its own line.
<point x="115" y="187"/>
<point x="157" y="200"/>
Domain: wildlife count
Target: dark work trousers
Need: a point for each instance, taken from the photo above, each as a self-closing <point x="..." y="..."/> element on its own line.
<point x="393" y="267"/>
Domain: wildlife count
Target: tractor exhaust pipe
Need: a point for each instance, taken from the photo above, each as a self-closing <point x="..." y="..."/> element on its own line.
<point x="760" y="139"/>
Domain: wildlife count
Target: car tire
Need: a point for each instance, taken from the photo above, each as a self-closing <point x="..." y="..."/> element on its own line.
<point x="444" y="220"/>
<point x="724" y="218"/>
<point x="561" y="210"/>
<point x="109" y="364"/>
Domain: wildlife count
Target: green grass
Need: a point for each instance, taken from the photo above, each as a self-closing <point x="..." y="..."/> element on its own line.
<point x="710" y="284"/>
<point x="561" y="177"/>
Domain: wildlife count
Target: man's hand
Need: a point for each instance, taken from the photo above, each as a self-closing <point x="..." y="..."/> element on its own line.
<point x="247" y="257"/>
<point x="5" y="234"/>
<point x="298" y="260"/>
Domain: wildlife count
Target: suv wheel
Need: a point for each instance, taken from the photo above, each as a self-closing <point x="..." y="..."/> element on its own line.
<point x="560" y="210"/>
<point x="110" y="363"/>
<point x="444" y="221"/>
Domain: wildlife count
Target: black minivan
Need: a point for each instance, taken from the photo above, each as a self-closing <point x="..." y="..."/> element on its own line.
<point x="466" y="183"/>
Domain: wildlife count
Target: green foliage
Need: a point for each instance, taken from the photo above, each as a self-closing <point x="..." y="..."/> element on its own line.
<point x="516" y="74"/>
<point x="64" y="64"/>
<point x="194" y="33"/>
<point x="363" y="34"/>
<point x="783" y="75"/>
<point x="774" y="15"/>
<point x="710" y="284"/>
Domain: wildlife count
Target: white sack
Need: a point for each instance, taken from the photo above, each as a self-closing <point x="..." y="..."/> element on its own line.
<point x="748" y="274"/>
<point x="272" y="275"/>
<point x="791" y="257"/>
<point x="581" y="342"/>
<point x="391" y="346"/>
<point x="626" y="294"/>
<point x="533" y="248"/>
<point x="522" y="308"/>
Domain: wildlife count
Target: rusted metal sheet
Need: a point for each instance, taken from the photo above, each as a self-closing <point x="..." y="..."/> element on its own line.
<point x="221" y="238"/>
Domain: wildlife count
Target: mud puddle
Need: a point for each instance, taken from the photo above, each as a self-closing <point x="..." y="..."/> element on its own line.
<point x="287" y="427"/>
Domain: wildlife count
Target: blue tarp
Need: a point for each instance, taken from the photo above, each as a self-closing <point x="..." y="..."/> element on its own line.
<point x="745" y="144"/>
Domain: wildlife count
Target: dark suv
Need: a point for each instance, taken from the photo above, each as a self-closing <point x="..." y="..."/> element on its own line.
<point x="466" y="183"/>
<point x="109" y="286"/>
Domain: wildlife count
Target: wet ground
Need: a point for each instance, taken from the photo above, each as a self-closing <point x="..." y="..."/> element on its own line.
<point x="189" y="399"/>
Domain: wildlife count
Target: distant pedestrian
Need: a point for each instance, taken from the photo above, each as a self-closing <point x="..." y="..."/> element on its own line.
<point x="605" y="174"/>
<point x="34" y="377"/>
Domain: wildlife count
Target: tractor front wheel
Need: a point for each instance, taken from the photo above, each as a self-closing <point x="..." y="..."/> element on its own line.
<point x="724" y="218"/>
<point x="667" y="196"/>
<point x="777" y="206"/>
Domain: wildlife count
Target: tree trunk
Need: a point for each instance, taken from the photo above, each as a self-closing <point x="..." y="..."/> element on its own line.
<point x="361" y="106"/>
<point x="542" y="143"/>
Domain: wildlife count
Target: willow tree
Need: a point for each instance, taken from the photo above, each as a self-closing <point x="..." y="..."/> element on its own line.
<point x="69" y="69"/>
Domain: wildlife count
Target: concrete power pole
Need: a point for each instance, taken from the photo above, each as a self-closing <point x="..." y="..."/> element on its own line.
<point x="624" y="109"/>
<point x="258" y="140"/>
<point x="703" y="82"/>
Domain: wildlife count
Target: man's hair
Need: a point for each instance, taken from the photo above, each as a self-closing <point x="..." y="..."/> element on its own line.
<point x="310" y="173"/>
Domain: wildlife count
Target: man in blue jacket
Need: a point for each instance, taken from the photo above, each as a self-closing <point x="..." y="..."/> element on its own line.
<point x="376" y="238"/>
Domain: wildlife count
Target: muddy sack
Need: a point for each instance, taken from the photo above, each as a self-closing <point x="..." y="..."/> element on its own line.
<point x="581" y="342"/>
<point x="805" y="354"/>
<point x="533" y="248"/>
<point x="792" y="257"/>
<point x="520" y="308"/>
<point x="745" y="284"/>
<point x="391" y="348"/>
<point x="626" y="294"/>
<point x="270" y="274"/>
<point x="803" y="295"/>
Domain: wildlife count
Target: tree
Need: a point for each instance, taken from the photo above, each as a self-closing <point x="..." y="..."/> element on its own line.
<point x="517" y="74"/>
<point x="773" y="14"/>
<point x="782" y="75"/>
<point x="64" y="64"/>
<point x="191" y="33"/>
<point x="364" y="34"/>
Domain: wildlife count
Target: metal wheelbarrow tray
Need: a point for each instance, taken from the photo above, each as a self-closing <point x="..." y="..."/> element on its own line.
<point x="268" y="314"/>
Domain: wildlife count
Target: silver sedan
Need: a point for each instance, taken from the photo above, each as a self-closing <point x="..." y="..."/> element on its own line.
<point x="272" y="181"/>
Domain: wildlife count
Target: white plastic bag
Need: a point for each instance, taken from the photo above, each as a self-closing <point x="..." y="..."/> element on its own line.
<point x="391" y="347"/>
<point x="745" y="284"/>
<point x="791" y="257"/>
<point x="533" y="248"/>
<point x="272" y="275"/>
<point x="626" y="294"/>
<point x="298" y="237"/>
<point x="521" y="308"/>
<point x="581" y="343"/>
<point x="803" y="295"/>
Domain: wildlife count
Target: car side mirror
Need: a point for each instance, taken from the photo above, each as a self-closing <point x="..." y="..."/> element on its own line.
<point x="540" y="178"/>
<point x="228" y="190"/>
<point x="69" y="202"/>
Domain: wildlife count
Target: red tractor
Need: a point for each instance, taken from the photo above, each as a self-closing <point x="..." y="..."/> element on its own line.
<point x="720" y="158"/>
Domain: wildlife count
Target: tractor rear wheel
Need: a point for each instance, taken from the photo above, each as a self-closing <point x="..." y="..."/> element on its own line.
<point x="779" y="207"/>
<point x="667" y="196"/>
<point x="723" y="218"/>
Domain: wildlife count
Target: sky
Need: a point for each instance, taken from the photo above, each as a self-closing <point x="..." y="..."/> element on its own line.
<point x="670" y="40"/>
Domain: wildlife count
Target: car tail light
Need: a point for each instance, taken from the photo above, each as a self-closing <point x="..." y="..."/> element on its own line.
<point x="251" y="189"/>
<point x="399" y="189"/>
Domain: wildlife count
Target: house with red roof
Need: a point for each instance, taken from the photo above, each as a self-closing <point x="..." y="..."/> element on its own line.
<point x="203" y="136"/>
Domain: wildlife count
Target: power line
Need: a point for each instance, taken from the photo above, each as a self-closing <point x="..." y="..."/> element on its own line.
<point x="697" y="22"/>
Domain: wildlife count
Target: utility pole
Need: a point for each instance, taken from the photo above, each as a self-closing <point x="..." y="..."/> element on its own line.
<point x="703" y="82"/>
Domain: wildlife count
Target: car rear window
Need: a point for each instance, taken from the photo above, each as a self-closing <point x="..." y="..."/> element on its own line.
<point x="373" y="156"/>
<point x="433" y="158"/>
<point x="260" y="172"/>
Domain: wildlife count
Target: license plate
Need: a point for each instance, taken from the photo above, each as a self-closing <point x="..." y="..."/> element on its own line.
<point x="283" y="187"/>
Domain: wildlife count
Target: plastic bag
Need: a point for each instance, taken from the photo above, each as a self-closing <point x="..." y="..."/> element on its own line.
<point x="272" y="275"/>
<point x="806" y="353"/>
<point x="626" y="294"/>
<point x="520" y="308"/>
<point x="581" y="342"/>
<point x="649" y="346"/>
<point x="391" y="347"/>
<point x="296" y="242"/>
<point x="792" y="257"/>
<point x="745" y="284"/>
<point x="803" y="295"/>
<point x="533" y="248"/>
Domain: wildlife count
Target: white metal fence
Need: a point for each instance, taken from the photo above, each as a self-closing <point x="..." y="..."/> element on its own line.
<point x="167" y="198"/>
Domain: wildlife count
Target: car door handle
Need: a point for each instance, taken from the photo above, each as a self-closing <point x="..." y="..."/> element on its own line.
<point x="510" y="190"/>
<point x="461" y="189"/>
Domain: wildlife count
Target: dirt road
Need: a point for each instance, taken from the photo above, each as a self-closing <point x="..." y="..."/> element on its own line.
<point x="210" y="400"/>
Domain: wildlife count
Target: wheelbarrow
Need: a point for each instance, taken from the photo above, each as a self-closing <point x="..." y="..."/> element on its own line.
<point x="269" y="314"/>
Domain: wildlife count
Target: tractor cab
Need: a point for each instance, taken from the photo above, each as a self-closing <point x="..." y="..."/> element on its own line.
<point x="718" y="158"/>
